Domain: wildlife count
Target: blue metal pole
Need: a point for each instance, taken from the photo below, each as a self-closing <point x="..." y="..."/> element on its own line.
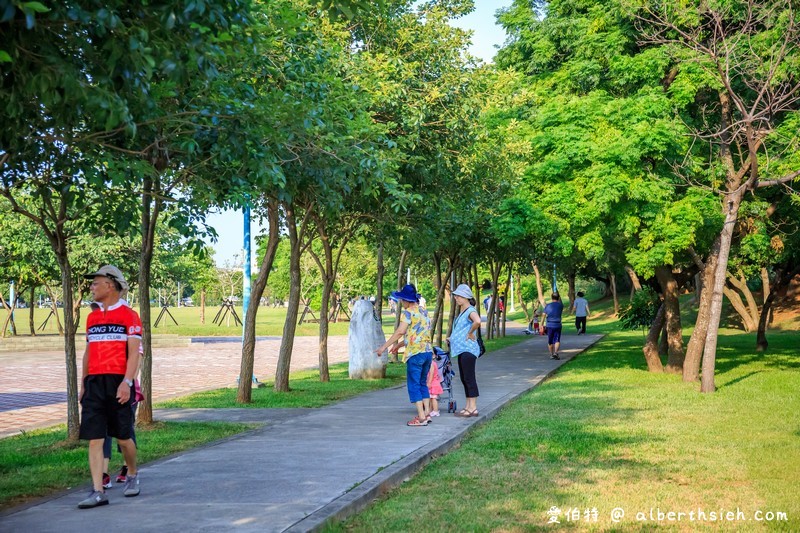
<point x="246" y="272"/>
<point x="555" y="287"/>
<point x="247" y="261"/>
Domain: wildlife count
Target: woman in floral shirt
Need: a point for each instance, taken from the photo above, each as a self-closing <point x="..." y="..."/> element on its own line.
<point x="415" y="328"/>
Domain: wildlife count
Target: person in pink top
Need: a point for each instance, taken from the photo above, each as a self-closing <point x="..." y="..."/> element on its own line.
<point x="435" y="388"/>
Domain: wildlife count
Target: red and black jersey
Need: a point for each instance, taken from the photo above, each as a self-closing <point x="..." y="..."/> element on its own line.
<point x="107" y="332"/>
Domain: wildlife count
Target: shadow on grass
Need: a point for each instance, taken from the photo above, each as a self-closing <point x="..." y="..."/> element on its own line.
<point x="734" y="350"/>
<point x="596" y="436"/>
<point x="739" y="379"/>
<point x="536" y="453"/>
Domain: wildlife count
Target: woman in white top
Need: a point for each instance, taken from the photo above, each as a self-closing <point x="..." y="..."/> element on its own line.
<point x="464" y="345"/>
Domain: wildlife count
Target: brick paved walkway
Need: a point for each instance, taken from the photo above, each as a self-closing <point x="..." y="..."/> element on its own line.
<point x="38" y="379"/>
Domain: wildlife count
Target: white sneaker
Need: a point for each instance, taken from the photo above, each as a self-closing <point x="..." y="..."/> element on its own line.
<point x="131" y="487"/>
<point x="434" y="413"/>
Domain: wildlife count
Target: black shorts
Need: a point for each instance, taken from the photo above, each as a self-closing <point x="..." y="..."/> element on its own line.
<point x="101" y="412"/>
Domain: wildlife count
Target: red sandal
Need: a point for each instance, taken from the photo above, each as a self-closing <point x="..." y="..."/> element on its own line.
<point x="417" y="422"/>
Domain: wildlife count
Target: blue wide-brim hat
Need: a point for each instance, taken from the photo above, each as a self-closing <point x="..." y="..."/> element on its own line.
<point x="408" y="293"/>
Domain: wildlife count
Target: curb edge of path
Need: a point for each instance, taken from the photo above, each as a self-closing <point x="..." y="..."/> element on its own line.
<point x="84" y="487"/>
<point x="363" y="495"/>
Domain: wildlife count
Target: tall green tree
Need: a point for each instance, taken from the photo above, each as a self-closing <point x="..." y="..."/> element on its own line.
<point x="79" y="80"/>
<point x="736" y="61"/>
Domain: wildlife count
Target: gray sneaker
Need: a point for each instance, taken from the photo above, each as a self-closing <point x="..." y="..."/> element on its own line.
<point x="131" y="487"/>
<point x="95" y="499"/>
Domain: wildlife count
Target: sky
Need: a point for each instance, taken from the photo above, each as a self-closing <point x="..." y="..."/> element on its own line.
<point x="229" y="224"/>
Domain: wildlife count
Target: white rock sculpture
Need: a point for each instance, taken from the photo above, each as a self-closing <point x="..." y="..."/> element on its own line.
<point x="366" y="336"/>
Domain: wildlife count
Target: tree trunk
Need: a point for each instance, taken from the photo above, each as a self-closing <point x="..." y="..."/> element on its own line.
<point x="739" y="307"/>
<point x="328" y="271"/>
<point x="672" y="317"/>
<point x="437" y="285"/>
<point x="613" y="278"/>
<point x="761" y="337"/>
<point x="438" y="316"/>
<point x="732" y="199"/>
<point x="752" y="308"/>
<point x="698" y="287"/>
<point x="58" y="242"/>
<point x="452" y="315"/>
<point x="571" y="286"/>
<point x="477" y="292"/>
<point x="765" y="283"/>
<point x="491" y="317"/>
<point x="327" y="289"/>
<point x="651" y="343"/>
<point x="9" y="315"/>
<point x="244" y="392"/>
<point x="150" y="211"/>
<point x="9" y="321"/>
<point x="715" y="313"/>
<point x="379" y="284"/>
<point x="694" y="350"/>
<point x="505" y="299"/>
<point x="31" y="322"/>
<point x="54" y="307"/>
<point x="290" y="323"/>
<point x="663" y="344"/>
<point x="782" y="279"/>
<point x="637" y="286"/>
<point x="73" y="421"/>
<point x="76" y="309"/>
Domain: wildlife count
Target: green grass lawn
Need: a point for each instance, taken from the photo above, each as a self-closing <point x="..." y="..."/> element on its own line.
<point x="269" y="322"/>
<point x="603" y="433"/>
<point x="40" y="462"/>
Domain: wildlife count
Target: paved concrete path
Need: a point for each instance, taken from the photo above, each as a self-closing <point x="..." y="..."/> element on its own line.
<point x="302" y="467"/>
<point x="33" y="384"/>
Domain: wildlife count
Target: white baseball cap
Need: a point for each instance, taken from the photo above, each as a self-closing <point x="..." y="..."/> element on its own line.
<point x="112" y="273"/>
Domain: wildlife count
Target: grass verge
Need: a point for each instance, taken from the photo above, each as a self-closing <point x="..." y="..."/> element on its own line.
<point x="605" y="434"/>
<point x="41" y="462"/>
<point x="306" y="388"/>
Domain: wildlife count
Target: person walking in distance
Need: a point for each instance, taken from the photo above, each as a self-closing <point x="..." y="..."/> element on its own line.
<point x="551" y="317"/>
<point x="581" y="309"/>
<point x="110" y="362"/>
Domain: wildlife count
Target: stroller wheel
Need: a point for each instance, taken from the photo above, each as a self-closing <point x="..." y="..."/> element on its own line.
<point x="451" y="407"/>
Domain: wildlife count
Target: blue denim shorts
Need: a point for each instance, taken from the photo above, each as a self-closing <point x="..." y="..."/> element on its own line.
<point x="417" y="368"/>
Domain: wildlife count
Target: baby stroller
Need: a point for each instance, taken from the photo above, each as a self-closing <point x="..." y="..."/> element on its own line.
<point x="442" y="360"/>
<point x="533" y="327"/>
